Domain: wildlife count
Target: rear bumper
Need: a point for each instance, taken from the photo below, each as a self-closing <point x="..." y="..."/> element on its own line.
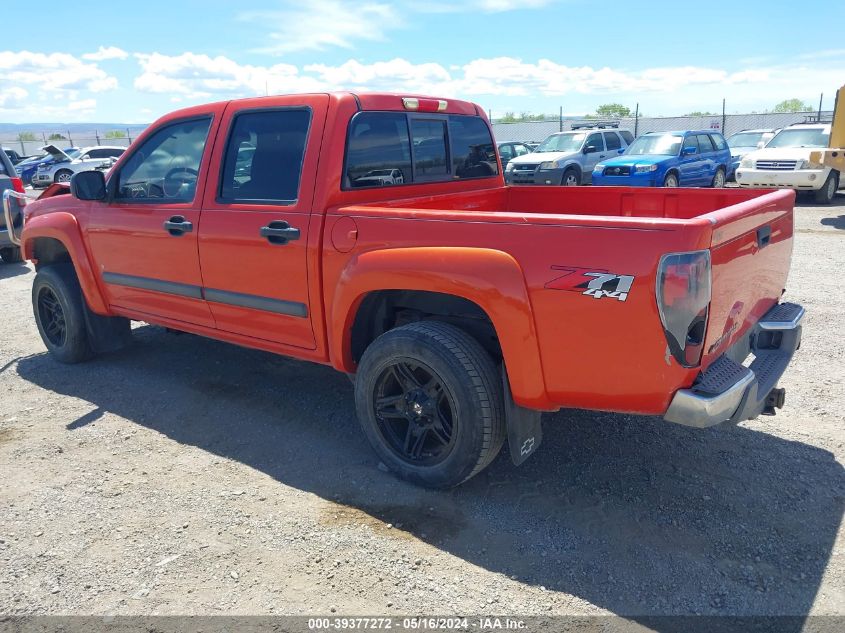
<point x="727" y="390"/>
<point x="537" y="177"/>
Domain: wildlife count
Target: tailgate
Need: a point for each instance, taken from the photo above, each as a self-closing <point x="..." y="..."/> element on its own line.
<point x="751" y="249"/>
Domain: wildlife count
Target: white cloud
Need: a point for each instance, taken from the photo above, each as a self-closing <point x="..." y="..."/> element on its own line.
<point x="88" y="105"/>
<point x="13" y="98"/>
<point x="192" y="76"/>
<point x="321" y="24"/>
<point x="52" y="72"/>
<point x="496" y="6"/>
<point x="106" y="52"/>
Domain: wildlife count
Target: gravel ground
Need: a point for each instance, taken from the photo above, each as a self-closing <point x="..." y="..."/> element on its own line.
<point x="187" y="476"/>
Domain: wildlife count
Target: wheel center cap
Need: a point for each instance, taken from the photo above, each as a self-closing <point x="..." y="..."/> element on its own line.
<point x="417" y="408"/>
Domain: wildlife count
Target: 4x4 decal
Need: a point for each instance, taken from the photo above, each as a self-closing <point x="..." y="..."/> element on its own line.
<point x="594" y="283"/>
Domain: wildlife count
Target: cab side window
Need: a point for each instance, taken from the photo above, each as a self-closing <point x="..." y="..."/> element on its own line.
<point x="521" y="150"/>
<point x="506" y="152"/>
<point x="612" y="141"/>
<point x="166" y="166"/>
<point x="690" y="141"/>
<point x="704" y="143"/>
<point x="264" y="156"/>
<point x="595" y="141"/>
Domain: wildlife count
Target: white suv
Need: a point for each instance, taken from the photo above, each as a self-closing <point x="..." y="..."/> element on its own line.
<point x="785" y="162"/>
<point x="64" y="166"/>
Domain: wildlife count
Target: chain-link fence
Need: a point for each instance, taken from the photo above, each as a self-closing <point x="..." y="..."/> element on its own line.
<point x="732" y="123"/>
<point x="30" y="144"/>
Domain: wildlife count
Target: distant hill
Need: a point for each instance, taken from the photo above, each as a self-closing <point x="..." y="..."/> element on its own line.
<point x="77" y="129"/>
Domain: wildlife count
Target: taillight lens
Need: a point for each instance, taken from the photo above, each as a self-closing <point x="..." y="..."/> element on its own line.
<point x="17" y="185"/>
<point x="683" y="300"/>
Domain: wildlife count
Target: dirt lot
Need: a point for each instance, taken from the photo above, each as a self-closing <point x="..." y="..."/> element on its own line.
<point x="186" y="476"/>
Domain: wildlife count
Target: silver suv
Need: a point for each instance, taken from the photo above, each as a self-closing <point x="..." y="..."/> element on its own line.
<point x="567" y="158"/>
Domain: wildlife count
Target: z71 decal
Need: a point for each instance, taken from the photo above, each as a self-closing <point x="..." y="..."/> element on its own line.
<point x="594" y="283"/>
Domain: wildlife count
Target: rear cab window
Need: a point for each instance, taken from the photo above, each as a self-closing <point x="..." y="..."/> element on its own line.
<point x="420" y="148"/>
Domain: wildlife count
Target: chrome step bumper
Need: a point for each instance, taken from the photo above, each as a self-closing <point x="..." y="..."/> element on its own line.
<point x="729" y="391"/>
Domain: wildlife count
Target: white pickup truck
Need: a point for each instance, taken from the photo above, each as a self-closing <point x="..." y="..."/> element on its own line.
<point x="785" y="163"/>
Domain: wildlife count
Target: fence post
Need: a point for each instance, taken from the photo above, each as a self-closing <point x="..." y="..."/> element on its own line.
<point x="636" y="119"/>
<point x="129" y="136"/>
<point x="560" y="120"/>
<point x="724" y="131"/>
<point x="44" y="137"/>
<point x="23" y="150"/>
<point x="97" y="136"/>
<point x="69" y="138"/>
<point x="821" y="98"/>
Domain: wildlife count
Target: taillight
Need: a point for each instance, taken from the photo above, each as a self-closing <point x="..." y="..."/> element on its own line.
<point x="424" y="105"/>
<point x="683" y="300"/>
<point x="17" y="185"/>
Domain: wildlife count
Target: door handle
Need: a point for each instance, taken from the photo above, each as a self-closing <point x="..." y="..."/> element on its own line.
<point x="764" y="236"/>
<point x="178" y="225"/>
<point x="279" y="232"/>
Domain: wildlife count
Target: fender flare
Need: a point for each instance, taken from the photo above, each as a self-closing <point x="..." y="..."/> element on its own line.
<point x="63" y="227"/>
<point x="491" y="279"/>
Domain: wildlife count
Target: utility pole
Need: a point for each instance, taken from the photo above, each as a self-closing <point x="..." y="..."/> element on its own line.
<point x="636" y="119"/>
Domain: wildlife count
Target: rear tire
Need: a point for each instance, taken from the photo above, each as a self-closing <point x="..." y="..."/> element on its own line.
<point x="430" y="401"/>
<point x="570" y="178"/>
<point x="11" y="255"/>
<point x="827" y="193"/>
<point x="718" y="179"/>
<point x="59" y="313"/>
<point x="671" y="180"/>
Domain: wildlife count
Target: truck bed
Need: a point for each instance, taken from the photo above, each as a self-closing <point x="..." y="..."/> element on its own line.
<point x="619" y="230"/>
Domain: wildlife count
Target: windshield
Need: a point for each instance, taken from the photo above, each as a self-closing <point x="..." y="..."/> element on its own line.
<point x="663" y="144"/>
<point x="73" y="153"/>
<point x="380" y="172"/>
<point x="748" y="139"/>
<point x="801" y="137"/>
<point x="567" y="142"/>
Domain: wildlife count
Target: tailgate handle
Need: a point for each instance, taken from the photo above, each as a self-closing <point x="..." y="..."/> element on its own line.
<point x="764" y="236"/>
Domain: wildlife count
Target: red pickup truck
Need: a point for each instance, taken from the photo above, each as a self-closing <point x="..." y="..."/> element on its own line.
<point x="374" y="233"/>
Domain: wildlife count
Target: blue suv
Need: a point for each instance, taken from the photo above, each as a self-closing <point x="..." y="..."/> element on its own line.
<point x="689" y="158"/>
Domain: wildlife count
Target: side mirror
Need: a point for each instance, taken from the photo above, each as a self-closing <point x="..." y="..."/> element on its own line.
<point x="688" y="151"/>
<point x="589" y="149"/>
<point x="621" y="150"/>
<point x="761" y="144"/>
<point x="88" y="185"/>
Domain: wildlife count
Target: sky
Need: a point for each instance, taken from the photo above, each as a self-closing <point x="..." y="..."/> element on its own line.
<point x="131" y="63"/>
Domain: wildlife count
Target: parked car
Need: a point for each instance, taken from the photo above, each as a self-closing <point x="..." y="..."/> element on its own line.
<point x="688" y="158"/>
<point x="9" y="251"/>
<point x="64" y="166"/>
<point x="26" y="169"/>
<point x="463" y="308"/>
<point x="785" y="162"/>
<point x="566" y="158"/>
<point x="512" y="149"/>
<point x="381" y="177"/>
<point x="747" y="141"/>
<point x="14" y="156"/>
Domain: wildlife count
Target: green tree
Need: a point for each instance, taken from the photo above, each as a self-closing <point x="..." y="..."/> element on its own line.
<point x="27" y="136"/>
<point x="115" y="134"/>
<point x="700" y="113"/>
<point x="613" y="110"/>
<point x="792" y="105"/>
<point x="508" y="117"/>
<point x="56" y="137"/>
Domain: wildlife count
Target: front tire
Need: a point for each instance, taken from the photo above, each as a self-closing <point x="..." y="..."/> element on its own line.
<point x="63" y="175"/>
<point x="59" y="313"/>
<point x="11" y="255"/>
<point x="430" y="401"/>
<point x="827" y="193"/>
<point x="671" y="180"/>
<point x="570" y="178"/>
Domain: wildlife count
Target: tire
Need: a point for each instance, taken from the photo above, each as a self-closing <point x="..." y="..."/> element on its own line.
<point x="60" y="313"/>
<point x="827" y="193"/>
<point x="718" y="179"/>
<point x="63" y="175"/>
<point x="11" y="255"/>
<point x="671" y="180"/>
<point x="570" y="178"/>
<point x="441" y="412"/>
